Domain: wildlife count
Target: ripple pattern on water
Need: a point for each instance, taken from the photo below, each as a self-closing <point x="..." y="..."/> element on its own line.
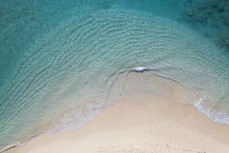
<point x="75" y="65"/>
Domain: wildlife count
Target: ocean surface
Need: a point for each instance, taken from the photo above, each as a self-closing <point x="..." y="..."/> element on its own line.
<point x="62" y="57"/>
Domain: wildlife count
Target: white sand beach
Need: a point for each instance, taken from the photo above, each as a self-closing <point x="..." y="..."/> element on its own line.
<point x="149" y="118"/>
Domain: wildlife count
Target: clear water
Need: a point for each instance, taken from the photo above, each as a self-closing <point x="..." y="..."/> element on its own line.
<point x="58" y="57"/>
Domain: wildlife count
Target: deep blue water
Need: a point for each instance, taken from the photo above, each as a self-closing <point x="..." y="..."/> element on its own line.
<point x="61" y="55"/>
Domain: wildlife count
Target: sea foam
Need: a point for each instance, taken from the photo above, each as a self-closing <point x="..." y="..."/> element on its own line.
<point x="214" y="115"/>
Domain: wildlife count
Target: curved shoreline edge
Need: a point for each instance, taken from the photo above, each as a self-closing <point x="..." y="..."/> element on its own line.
<point x="136" y="111"/>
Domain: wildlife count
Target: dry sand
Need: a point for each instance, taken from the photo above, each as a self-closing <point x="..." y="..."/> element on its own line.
<point x="147" y="119"/>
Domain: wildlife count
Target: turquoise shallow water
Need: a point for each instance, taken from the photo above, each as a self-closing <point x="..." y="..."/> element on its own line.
<point x="57" y="56"/>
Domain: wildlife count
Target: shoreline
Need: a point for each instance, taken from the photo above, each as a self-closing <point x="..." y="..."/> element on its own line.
<point x="143" y="120"/>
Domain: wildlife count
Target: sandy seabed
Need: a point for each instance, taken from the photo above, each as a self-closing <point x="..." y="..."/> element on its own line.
<point x="149" y="118"/>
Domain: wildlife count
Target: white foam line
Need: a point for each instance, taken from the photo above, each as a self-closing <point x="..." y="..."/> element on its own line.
<point x="76" y="120"/>
<point x="218" y="117"/>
